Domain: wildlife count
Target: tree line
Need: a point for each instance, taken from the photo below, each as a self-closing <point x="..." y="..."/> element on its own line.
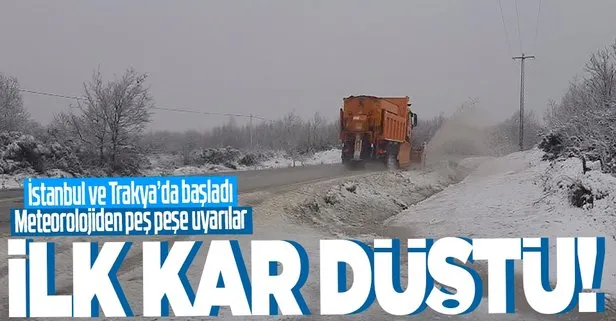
<point x="107" y="128"/>
<point x="583" y="122"/>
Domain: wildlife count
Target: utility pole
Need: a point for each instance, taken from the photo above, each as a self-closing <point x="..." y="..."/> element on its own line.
<point x="522" y="58"/>
<point x="250" y="131"/>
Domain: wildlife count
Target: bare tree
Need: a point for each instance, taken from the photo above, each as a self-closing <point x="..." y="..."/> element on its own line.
<point x="111" y="119"/>
<point x="90" y="125"/>
<point x="426" y="129"/>
<point x="504" y="137"/>
<point x="190" y="143"/>
<point x="290" y="133"/>
<point x="130" y="112"/>
<point x="13" y="116"/>
<point x="316" y="135"/>
<point x="601" y="82"/>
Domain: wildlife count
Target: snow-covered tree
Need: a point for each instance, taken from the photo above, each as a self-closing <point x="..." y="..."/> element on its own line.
<point x="583" y="122"/>
<point x="13" y="115"/>
<point x="504" y="138"/>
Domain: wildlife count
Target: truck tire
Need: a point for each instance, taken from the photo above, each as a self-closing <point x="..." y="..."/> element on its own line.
<point x="392" y="162"/>
<point x="392" y="156"/>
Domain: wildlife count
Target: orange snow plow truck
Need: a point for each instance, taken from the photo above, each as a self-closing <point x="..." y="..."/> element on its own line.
<point x="379" y="129"/>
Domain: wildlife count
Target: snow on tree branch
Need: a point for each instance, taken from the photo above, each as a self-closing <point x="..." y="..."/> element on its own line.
<point x="582" y="122"/>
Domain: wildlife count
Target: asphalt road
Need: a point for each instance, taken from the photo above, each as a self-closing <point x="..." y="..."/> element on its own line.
<point x="248" y="181"/>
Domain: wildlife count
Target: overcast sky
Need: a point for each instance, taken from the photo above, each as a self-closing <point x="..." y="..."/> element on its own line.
<point x="275" y="56"/>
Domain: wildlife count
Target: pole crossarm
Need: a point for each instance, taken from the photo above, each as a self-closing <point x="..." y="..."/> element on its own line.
<point x="524" y="57"/>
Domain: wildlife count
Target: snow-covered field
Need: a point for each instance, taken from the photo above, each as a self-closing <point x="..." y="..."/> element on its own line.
<point x="17" y="180"/>
<point x="163" y="165"/>
<point x="168" y="165"/>
<point x="331" y="156"/>
<point x="521" y="196"/>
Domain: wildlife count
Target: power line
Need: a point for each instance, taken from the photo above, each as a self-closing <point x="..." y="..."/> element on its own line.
<point x="504" y="25"/>
<point x="158" y="108"/>
<point x="51" y="94"/>
<point x="537" y="26"/>
<point x="517" y="12"/>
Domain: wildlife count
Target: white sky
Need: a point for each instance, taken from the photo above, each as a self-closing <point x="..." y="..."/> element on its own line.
<point x="271" y="57"/>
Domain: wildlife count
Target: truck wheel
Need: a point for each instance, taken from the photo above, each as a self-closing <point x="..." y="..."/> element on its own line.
<point x="392" y="162"/>
<point x="392" y="157"/>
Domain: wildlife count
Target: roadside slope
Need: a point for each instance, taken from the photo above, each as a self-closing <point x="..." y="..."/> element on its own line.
<point x="521" y="196"/>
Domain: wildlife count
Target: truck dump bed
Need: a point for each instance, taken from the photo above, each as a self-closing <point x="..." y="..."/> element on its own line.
<point x="377" y="128"/>
<point x="386" y="118"/>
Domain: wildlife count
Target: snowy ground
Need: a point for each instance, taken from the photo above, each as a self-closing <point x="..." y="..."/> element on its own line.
<point x="331" y="156"/>
<point x="13" y="181"/>
<point x="17" y="180"/>
<point x="521" y="196"/>
<point x="163" y="165"/>
<point x="285" y="215"/>
<point x="514" y="196"/>
<point x="168" y="165"/>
